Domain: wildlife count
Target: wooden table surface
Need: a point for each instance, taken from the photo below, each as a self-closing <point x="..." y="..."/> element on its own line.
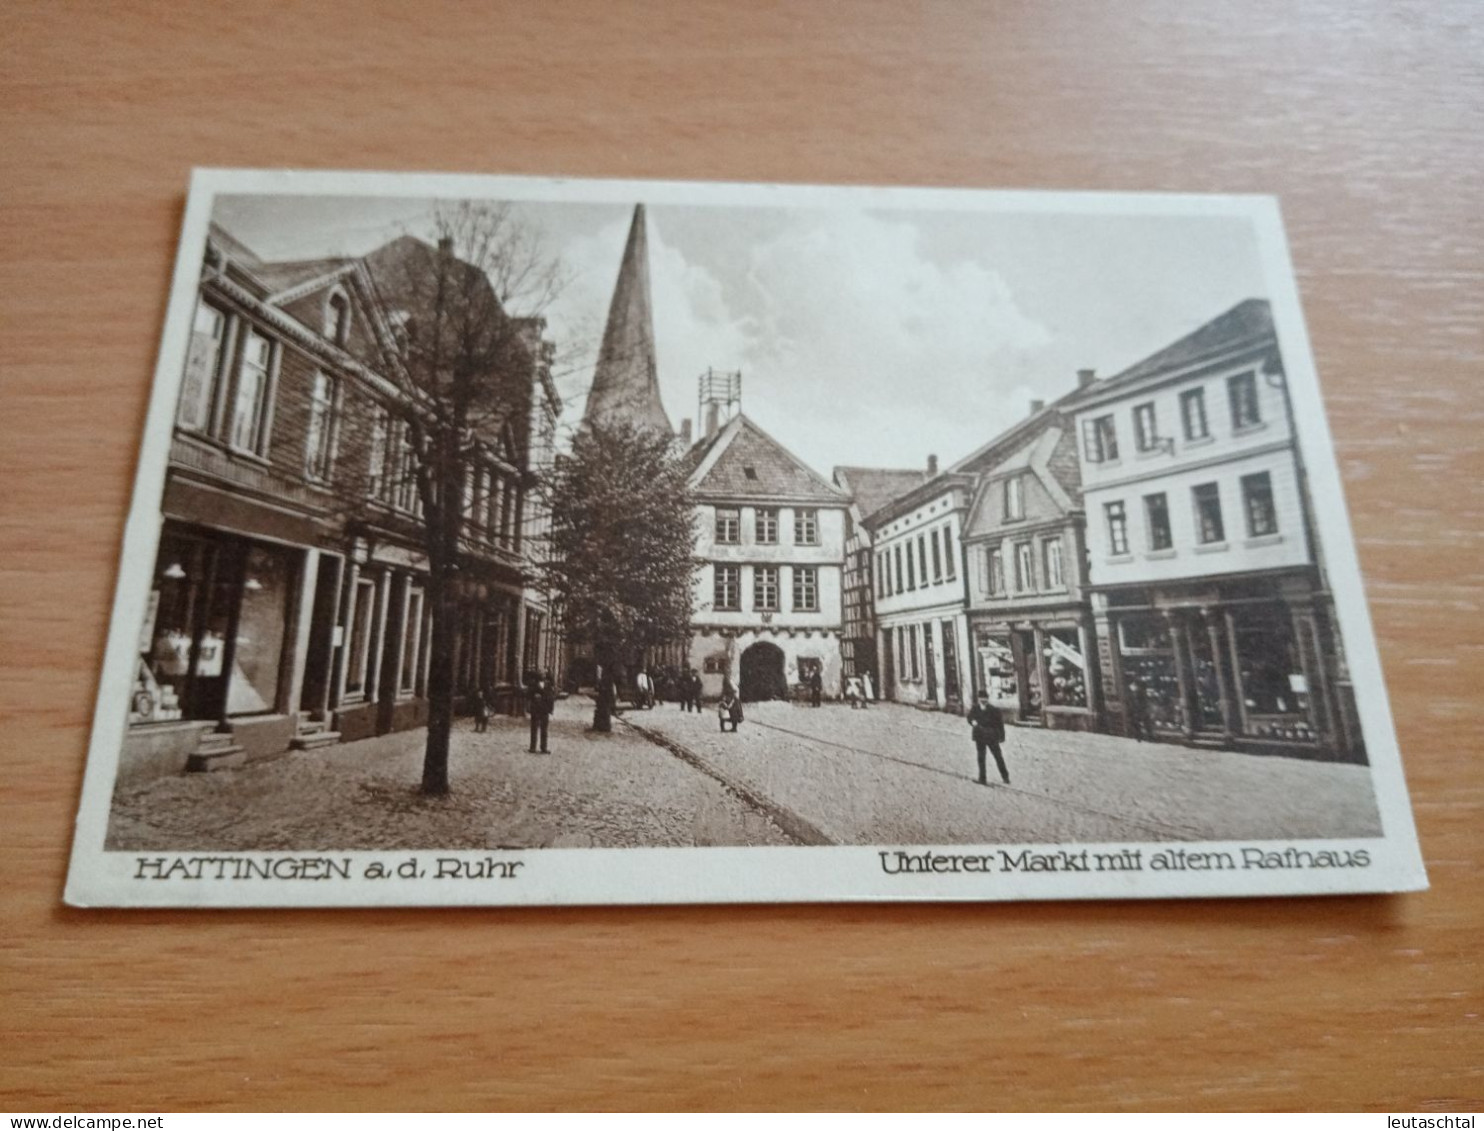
<point x="1367" y="119"/>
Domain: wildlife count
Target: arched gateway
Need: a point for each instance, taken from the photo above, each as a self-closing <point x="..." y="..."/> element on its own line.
<point x="762" y="673"/>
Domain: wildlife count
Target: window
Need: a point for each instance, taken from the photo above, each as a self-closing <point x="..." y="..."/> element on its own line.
<point x="1014" y="498"/>
<point x="494" y="497"/>
<point x="1099" y="440"/>
<point x="1025" y="576"/>
<point x="922" y="558"/>
<point x="1241" y="390"/>
<point x="337" y="318"/>
<point x="897" y="553"/>
<point x="1257" y="500"/>
<point x="806" y="527"/>
<point x="412" y="637"/>
<point x="911" y="568"/>
<point x="362" y="625"/>
<point x="883" y="573"/>
<point x="250" y="411"/>
<point x="1051" y="559"/>
<point x="1117" y="528"/>
<point x="937" y="559"/>
<point x="1157" y="517"/>
<point x="1209" y="527"/>
<point x="728" y="525"/>
<point x="765" y="588"/>
<point x="376" y="470"/>
<point x="319" y="454"/>
<point x="948" y="552"/>
<point x="910" y="667"/>
<point x="1146" y="428"/>
<point x="765" y="527"/>
<point x="728" y="588"/>
<point x="1193" y="414"/>
<point x="904" y="665"/>
<point x="203" y="368"/>
<point x="806" y="589"/>
<point x="402" y="477"/>
<point x="996" y="571"/>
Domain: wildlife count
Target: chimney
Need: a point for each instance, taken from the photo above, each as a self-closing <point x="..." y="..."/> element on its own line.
<point x="1086" y="377"/>
<point x="713" y="412"/>
<point x="685" y="431"/>
<point x="932" y="466"/>
<point x="445" y="245"/>
<point x="1037" y="406"/>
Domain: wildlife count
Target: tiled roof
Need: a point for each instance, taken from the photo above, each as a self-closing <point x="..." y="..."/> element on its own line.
<point x="875" y="487"/>
<point x="1248" y="319"/>
<point x="751" y="464"/>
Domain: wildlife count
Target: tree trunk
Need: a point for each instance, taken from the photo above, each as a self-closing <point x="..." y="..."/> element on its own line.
<point x="440" y="691"/>
<point x="607" y="694"/>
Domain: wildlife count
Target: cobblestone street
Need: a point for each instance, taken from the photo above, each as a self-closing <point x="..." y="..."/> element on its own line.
<point x="792" y="774"/>
<point x="895" y="775"/>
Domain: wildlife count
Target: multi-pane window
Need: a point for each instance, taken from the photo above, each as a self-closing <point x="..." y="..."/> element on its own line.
<point x="1208" y="524"/>
<point x="250" y="410"/>
<point x="1014" y="498"/>
<point x="362" y="624"/>
<point x="412" y="636"/>
<point x="806" y="527"/>
<point x="1051" y="557"/>
<point x="1117" y="527"/>
<point x="937" y="558"/>
<point x="765" y="588"/>
<point x="765" y="528"/>
<point x="319" y="453"/>
<point x="1025" y="577"/>
<point x="376" y="469"/>
<point x="728" y="526"/>
<point x="203" y="367"/>
<point x="1257" y="500"/>
<point x="897" y="555"/>
<point x="1099" y="439"/>
<point x="996" y="570"/>
<point x="1157" y="518"/>
<point x="806" y="589"/>
<point x="728" y="588"/>
<point x="1146" y="428"/>
<point x="1193" y="414"/>
<point x="948" y="553"/>
<point x="1241" y="391"/>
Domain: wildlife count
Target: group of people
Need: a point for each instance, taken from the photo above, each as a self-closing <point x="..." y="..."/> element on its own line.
<point x="540" y="702"/>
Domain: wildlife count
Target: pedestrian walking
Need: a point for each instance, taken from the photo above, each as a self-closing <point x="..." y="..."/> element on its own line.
<point x="867" y="694"/>
<point x="816" y="687"/>
<point x="481" y="706"/>
<point x="645" y="686"/>
<point x="540" y="702"/>
<point x="729" y="709"/>
<point x="987" y="724"/>
<point x="853" y="691"/>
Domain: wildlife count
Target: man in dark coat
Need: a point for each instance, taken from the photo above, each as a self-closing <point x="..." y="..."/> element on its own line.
<point x="988" y="726"/>
<point x="540" y="702"/>
<point x="816" y="687"/>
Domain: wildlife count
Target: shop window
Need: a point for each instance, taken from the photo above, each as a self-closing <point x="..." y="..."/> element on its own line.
<point x="249" y="431"/>
<point x="1066" y="668"/>
<point x="1025" y="573"/>
<point x="1157" y="518"/>
<point x="1117" y="528"/>
<point x="806" y="527"/>
<point x="806" y="589"/>
<point x="1241" y="391"/>
<point x="765" y="526"/>
<point x="199" y="387"/>
<point x="765" y="588"/>
<point x="1146" y="428"/>
<point x="319" y="456"/>
<point x="1193" y="414"/>
<point x="727" y="594"/>
<point x="1257" y="500"/>
<point x="1099" y="440"/>
<point x="1274" y="689"/>
<point x="996" y="571"/>
<point x="262" y="625"/>
<point x="1051" y="556"/>
<point x="1209" y="527"/>
<point x="728" y="526"/>
<point x="1014" y="498"/>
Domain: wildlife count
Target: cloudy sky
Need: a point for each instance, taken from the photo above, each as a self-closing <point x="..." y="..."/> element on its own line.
<point x="864" y="337"/>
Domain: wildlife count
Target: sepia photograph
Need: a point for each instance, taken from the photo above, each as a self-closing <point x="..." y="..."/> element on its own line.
<point x="489" y="529"/>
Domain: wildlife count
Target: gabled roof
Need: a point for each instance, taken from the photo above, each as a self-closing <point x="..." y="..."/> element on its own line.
<point x="280" y="277"/>
<point x="1252" y="318"/>
<point x="875" y="487"/>
<point x="743" y="462"/>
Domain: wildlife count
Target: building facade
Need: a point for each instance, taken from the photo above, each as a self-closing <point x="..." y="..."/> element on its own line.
<point x="771" y="546"/>
<point x="920" y="592"/>
<point x="288" y="607"/>
<point x="1213" y="618"/>
<point x="1029" y="614"/>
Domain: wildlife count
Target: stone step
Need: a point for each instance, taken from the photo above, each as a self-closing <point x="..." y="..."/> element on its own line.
<point x="216" y="757"/>
<point x="313" y="740"/>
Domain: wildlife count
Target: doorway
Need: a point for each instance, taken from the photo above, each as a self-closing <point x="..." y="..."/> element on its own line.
<point x="762" y="673"/>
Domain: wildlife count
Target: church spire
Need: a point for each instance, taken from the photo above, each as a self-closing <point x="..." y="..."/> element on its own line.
<point x="626" y="383"/>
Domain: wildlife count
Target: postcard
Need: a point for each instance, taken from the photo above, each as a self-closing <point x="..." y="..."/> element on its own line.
<point x="515" y="541"/>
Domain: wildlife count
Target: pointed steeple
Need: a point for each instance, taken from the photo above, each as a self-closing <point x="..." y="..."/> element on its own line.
<point x="626" y="383"/>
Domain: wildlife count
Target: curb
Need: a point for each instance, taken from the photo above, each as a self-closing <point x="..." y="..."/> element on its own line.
<point x="790" y="822"/>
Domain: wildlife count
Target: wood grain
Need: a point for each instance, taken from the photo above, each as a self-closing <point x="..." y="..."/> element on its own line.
<point x="1365" y="118"/>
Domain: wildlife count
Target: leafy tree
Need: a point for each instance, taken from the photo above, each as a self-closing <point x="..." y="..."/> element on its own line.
<point x="622" y="547"/>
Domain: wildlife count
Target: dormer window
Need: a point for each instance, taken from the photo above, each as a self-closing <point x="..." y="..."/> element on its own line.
<point x="337" y="317"/>
<point x="750" y="472"/>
